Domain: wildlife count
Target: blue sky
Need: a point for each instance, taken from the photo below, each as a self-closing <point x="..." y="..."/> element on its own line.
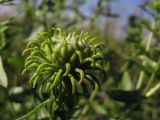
<point x="117" y="5"/>
<point x="124" y="8"/>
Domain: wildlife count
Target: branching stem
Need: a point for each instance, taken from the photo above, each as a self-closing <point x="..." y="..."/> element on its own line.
<point x="152" y="90"/>
<point x="86" y="108"/>
<point x="36" y="109"/>
<point x="148" y="45"/>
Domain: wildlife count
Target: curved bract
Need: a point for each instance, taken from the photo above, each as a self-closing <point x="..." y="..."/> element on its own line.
<point x="63" y="66"/>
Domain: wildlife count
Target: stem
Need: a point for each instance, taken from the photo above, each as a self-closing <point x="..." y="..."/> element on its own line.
<point x="152" y="78"/>
<point x="24" y="117"/>
<point x="140" y="80"/>
<point x="86" y="108"/>
<point x="150" y="36"/>
<point x="149" y="41"/>
<point x="153" y="90"/>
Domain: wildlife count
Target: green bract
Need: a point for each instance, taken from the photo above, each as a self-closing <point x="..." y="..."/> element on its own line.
<point x="64" y="66"/>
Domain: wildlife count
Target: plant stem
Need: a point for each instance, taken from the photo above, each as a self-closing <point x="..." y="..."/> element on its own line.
<point x="24" y="117"/>
<point x="153" y="90"/>
<point x="150" y="36"/>
<point x="140" y="80"/>
<point x="151" y="78"/>
<point x="86" y="108"/>
<point x="149" y="41"/>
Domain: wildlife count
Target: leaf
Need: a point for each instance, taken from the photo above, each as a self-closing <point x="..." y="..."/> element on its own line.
<point x="148" y="61"/>
<point x="145" y="63"/>
<point x="125" y="96"/>
<point x="3" y="76"/>
<point x="16" y="62"/>
<point x="5" y="1"/>
<point x="126" y="83"/>
<point x="3" y="28"/>
<point x="19" y="95"/>
<point x="34" y="111"/>
<point x="98" y="107"/>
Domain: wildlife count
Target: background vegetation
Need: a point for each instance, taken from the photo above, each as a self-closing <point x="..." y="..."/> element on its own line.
<point x="131" y="60"/>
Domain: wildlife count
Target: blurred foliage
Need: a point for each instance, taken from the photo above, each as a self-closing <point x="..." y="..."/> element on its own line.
<point x="130" y="89"/>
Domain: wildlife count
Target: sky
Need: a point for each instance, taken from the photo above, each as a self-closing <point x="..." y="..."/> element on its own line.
<point x="123" y="8"/>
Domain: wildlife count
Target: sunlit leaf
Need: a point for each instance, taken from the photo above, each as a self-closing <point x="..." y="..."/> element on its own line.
<point x="100" y="109"/>
<point x="126" y="83"/>
<point x="3" y="76"/>
<point x="19" y="94"/>
<point x="145" y="63"/>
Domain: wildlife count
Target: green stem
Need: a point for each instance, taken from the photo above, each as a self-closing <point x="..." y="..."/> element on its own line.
<point x="153" y="90"/>
<point x="151" y="80"/>
<point x="86" y="108"/>
<point x="24" y="117"/>
<point x="149" y="41"/>
<point x="150" y="37"/>
<point x="140" y="80"/>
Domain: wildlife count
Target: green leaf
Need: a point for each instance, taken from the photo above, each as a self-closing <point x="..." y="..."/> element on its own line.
<point x="3" y="76"/>
<point x="18" y="94"/>
<point x="145" y="63"/>
<point x="4" y="1"/>
<point x="125" y="96"/>
<point x="155" y="5"/>
<point x="35" y="110"/>
<point x="98" y="108"/>
<point x="3" y="28"/>
<point x="126" y="83"/>
<point x="16" y="62"/>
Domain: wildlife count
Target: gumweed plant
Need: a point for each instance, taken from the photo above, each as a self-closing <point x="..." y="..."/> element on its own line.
<point x="137" y="84"/>
<point x="63" y="68"/>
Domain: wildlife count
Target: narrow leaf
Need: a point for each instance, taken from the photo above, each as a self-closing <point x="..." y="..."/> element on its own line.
<point x="126" y="83"/>
<point x="100" y="109"/>
<point x="3" y="76"/>
<point x="126" y="96"/>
